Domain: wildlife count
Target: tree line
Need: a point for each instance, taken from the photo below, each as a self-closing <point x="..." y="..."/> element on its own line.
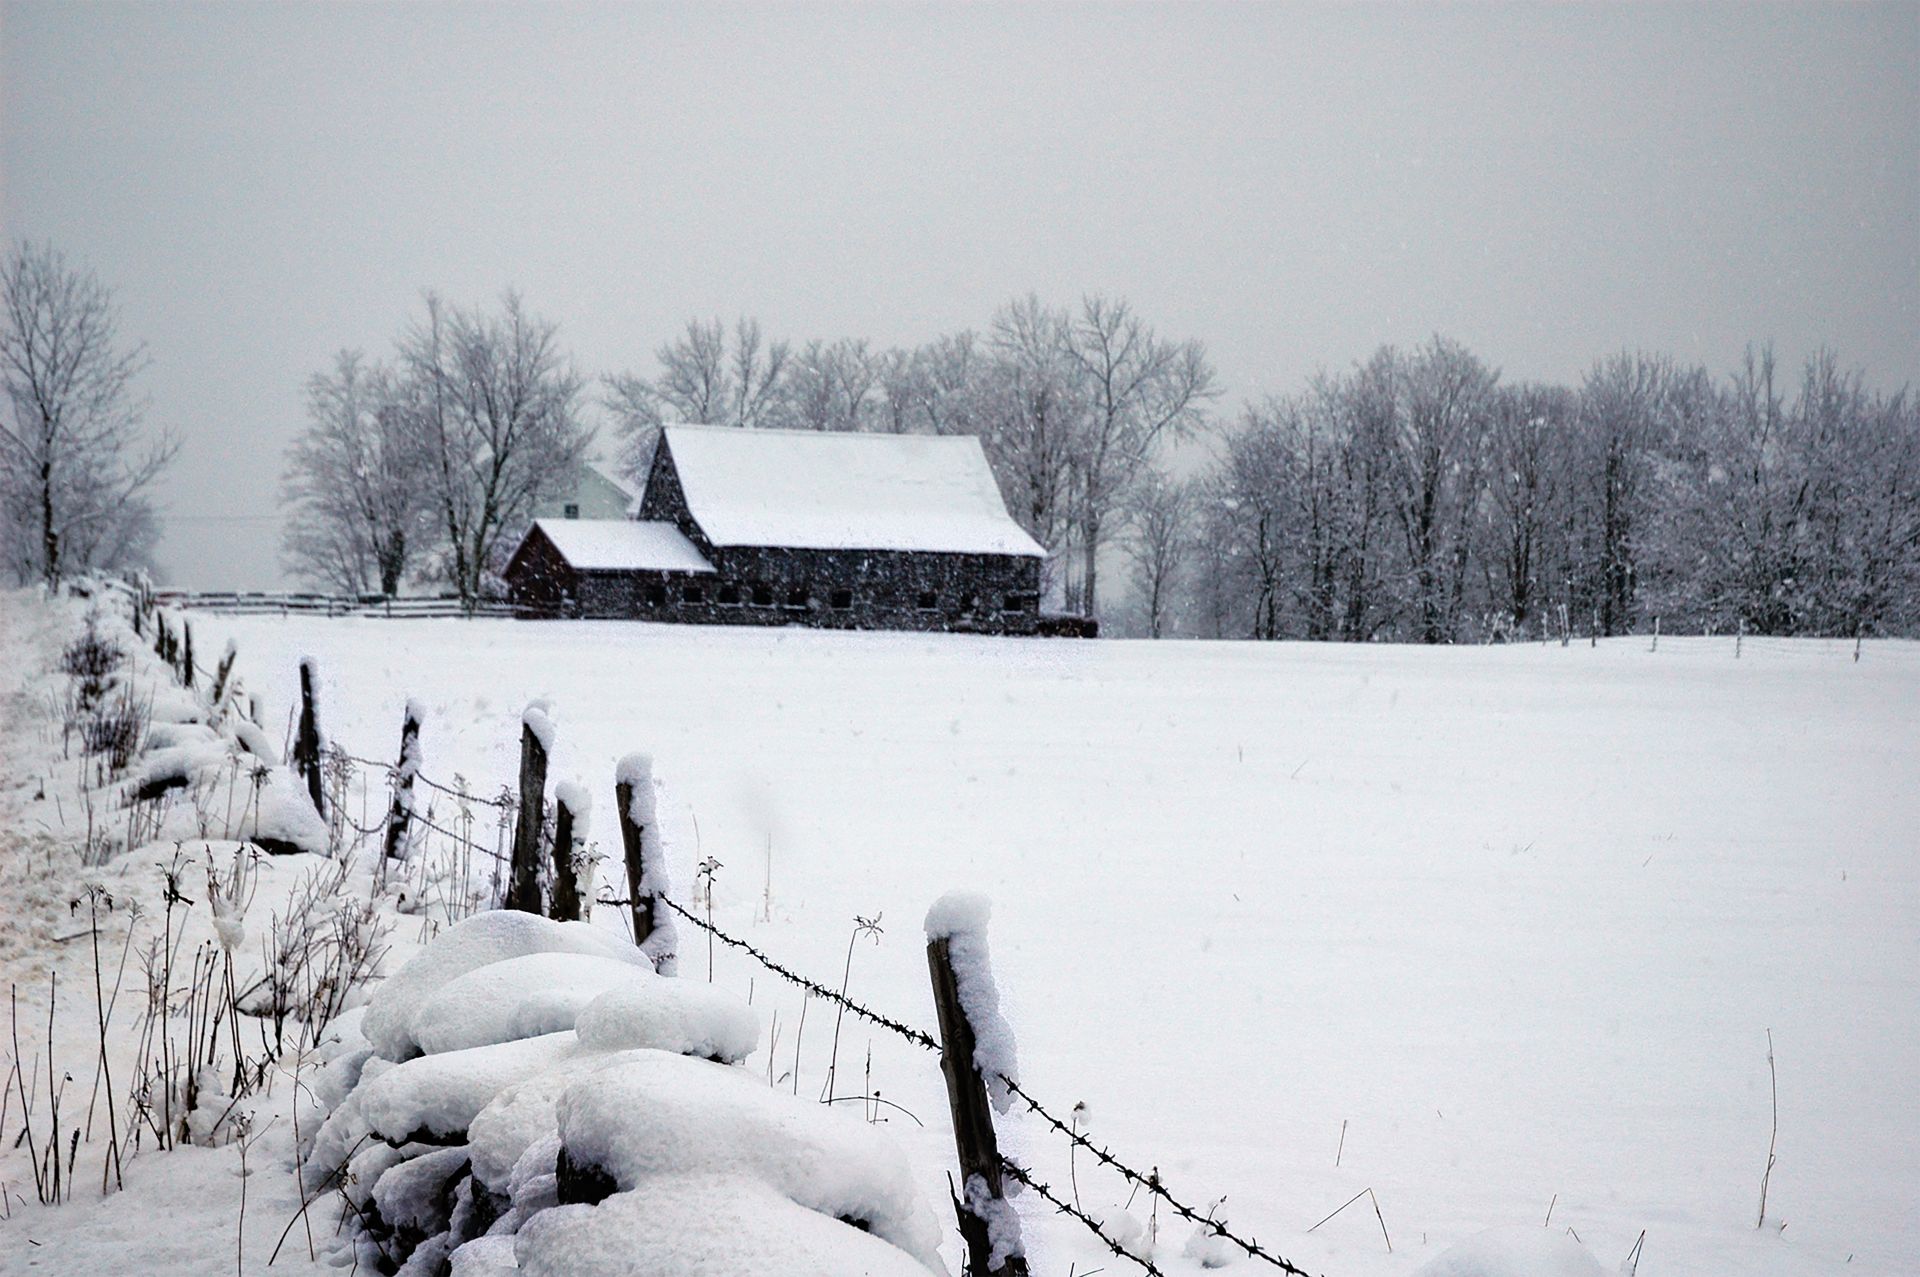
<point x="1415" y="496"/>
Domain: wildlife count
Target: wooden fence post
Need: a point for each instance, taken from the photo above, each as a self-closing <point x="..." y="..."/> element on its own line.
<point x="973" y="1135"/>
<point x="569" y="828"/>
<point x="306" y="745"/>
<point x="223" y="673"/>
<point x="523" y="884"/>
<point x="632" y="836"/>
<point x="400" y="814"/>
<point x="186" y="657"/>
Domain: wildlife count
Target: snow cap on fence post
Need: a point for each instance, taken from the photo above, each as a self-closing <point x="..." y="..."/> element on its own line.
<point x="976" y="1057"/>
<point x="400" y="814"/>
<point x="536" y="749"/>
<point x="572" y="816"/>
<point x="960" y="918"/>
<point x="646" y="858"/>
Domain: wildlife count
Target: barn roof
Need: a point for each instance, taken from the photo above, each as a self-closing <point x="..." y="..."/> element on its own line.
<point x="617" y="545"/>
<point x="806" y="489"/>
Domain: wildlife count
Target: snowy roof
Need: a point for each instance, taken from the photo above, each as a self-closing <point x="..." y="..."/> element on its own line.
<point x="620" y="485"/>
<point x="615" y="545"/>
<point x="833" y="491"/>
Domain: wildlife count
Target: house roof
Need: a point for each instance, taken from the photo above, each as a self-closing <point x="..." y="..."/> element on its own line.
<point x="806" y="489"/>
<point x="620" y="485"/>
<point x="617" y="545"/>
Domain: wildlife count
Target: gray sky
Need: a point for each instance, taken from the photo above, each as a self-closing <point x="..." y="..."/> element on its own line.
<point x="262" y="185"/>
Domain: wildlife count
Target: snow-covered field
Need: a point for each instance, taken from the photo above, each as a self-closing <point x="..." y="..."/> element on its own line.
<point x="1517" y="919"/>
<point x="1494" y="927"/>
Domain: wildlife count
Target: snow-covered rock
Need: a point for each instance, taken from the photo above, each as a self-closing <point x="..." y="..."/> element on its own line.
<point x="473" y="943"/>
<point x="705" y="1225"/>
<point x="521" y="997"/>
<point x="434" y="1097"/>
<point x="671" y="1015"/>
<point x="661" y="1115"/>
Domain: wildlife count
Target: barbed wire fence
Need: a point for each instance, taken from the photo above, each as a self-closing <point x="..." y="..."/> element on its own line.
<point x="506" y="806"/>
<point x="1149" y="1180"/>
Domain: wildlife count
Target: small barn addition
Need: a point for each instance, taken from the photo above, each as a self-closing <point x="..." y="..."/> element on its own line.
<point x="778" y="527"/>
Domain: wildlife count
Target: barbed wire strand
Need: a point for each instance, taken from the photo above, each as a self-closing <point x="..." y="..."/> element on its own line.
<point x="463" y="795"/>
<point x="819" y="990"/>
<point x="1092" y="1225"/>
<point x="1151" y="1183"/>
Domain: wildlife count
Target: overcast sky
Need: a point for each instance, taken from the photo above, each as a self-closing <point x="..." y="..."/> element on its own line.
<point x="264" y="184"/>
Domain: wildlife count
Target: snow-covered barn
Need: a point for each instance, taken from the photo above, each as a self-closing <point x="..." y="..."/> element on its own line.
<point x="776" y="527"/>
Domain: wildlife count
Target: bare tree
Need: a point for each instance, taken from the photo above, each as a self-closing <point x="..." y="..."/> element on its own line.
<point x="1802" y="516"/>
<point x="1437" y="467"/>
<point x="1137" y="389"/>
<point x="695" y="383"/>
<point x="74" y="474"/>
<point x="1159" y="533"/>
<point x="950" y="384"/>
<point x="900" y="377"/>
<point x="832" y="386"/>
<point x="707" y="378"/>
<point x="638" y="413"/>
<point x="1248" y="502"/>
<point x="1526" y="483"/>
<point x="1031" y="412"/>
<point x="1633" y="406"/>
<point x="495" y="402"/>
<point x="358" y="483"/>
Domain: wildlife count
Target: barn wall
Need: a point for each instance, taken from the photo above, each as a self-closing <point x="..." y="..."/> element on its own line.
<point x="539" y="577"/>
<point x="665" y="501"/>
<point x="883" y="590"/>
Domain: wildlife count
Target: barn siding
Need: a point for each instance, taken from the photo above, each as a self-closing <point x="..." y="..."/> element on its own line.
<point x="539" y="576"/>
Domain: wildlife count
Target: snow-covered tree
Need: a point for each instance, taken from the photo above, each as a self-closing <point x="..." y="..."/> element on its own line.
<point x="75" y="466"/>
<point x="832" y="386"/>
<point x="1159" y="534"/>
<point x="1523" y="555"/>
<point x="1137" y="389"/>
<point x="358" y="483"/>
<point x="497" y="406"/>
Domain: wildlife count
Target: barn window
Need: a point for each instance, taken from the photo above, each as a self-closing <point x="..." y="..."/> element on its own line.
<point x="842" y="600"/>
<point x="656" y="595"/>
<point x="928" y="600"/>
<point x="692" y="593"/>
<point x="571" y="510"/>
<point x="729" y="596"/>
<point x="797" y="597"/>
<point x="763" y="596"/>
<point x="1020" y="603"/>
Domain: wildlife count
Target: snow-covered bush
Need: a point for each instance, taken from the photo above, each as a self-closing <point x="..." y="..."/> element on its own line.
<point x="531" y="1096"/>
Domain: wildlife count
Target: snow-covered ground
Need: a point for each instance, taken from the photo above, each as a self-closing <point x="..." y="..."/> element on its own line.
<point x="1495" y="927"/>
